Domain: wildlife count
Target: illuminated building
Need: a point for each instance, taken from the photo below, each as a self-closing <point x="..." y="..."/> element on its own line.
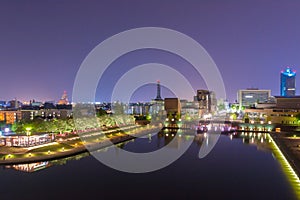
<point x="64" y="99"/>
<point x="288" y="82"/>
<point x="189" y="108"/>
<point x="207" y="101"/>
<point x="284" y="111"/>
<point x="26" y="140"/>
<point x="10" y="117"/>
<point x="251" y="96"/>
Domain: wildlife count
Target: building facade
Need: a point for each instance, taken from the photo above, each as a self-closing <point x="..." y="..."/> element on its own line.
<point x="251" y="96"/>
<point x="288" y="82"/>
<point x="207" y="102"/>
<point x="284" y="111"/>
<point x="10" y="116"/>
<point x="172" y="107"/>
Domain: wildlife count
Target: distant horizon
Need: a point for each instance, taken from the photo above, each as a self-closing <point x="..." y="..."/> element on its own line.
<point x="44" y="44"/>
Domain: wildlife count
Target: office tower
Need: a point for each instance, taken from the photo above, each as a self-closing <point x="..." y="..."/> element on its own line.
<point x="288" y="82"/>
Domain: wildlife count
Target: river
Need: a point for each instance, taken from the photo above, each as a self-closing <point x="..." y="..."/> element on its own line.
<point x="236" y="168"/>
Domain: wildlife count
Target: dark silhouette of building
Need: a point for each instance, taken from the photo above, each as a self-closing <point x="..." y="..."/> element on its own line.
<point x="172" y="107"/>
<point x="158" y="97"/>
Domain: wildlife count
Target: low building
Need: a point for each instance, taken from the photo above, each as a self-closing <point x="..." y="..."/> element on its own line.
<point x="283" y="111"/>
<point x="288" y="102"/>
<point x="172" y="107"/>
<point x="251" y="96"/>
<point x="10" y="116"/>
<point x="26" y="141"/>
<point x="189" y="109"/>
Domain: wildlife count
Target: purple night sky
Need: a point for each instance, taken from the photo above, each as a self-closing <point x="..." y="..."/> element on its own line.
<point x="42" y="43"/>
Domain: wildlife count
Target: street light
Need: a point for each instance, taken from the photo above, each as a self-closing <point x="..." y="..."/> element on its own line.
<point x="28" y="129"/>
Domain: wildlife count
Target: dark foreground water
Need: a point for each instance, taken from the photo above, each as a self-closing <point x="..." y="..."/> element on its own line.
<point x="232" y="170"/>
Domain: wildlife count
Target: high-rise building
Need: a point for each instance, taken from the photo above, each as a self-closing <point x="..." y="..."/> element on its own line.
<point x="288" y="82"/>
<point x="207" y="101"/>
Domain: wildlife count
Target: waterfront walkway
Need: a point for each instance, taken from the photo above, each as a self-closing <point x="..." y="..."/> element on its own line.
<point x="89" y="146"/>
<point x="290" y="147"/>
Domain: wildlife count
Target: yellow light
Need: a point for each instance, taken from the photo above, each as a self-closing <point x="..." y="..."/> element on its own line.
<point x="286" y="167"/>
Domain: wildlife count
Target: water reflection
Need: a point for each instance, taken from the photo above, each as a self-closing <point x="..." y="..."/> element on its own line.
<point x="30" y="167"/>
<point x="37" y="166"/>
<point x="156" y="141"/>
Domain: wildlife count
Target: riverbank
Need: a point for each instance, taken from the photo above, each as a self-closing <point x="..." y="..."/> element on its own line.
<point x="29" y="157"/>
<point x="290" y="147"/>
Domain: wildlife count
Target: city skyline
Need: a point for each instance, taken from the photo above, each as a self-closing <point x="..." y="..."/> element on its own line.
<point x="43" y="44"/>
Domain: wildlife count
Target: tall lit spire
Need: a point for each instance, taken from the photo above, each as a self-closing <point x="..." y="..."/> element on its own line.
<point x="158" y="97"/>
<point x="64" y="99"/>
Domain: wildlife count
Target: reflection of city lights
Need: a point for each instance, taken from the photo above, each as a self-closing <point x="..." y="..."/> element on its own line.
<point x="209" y="127"/>
<point x="208" y="116"/>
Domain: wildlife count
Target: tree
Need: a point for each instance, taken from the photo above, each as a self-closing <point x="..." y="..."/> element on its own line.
<point x="100" y="112"/>
<point x="118" y="108"/>
<point x="298" y="117"/>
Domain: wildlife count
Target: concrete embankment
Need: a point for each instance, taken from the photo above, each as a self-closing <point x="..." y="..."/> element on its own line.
<point x="289" y="148"/>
